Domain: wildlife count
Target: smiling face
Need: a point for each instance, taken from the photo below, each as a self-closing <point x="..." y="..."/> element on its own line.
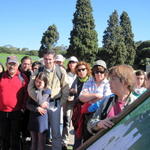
<point x="48" y="60"/>
<point x="99" y="73"/>
<point x="82" y="71"/>
<point x="12" y="68"/>
<point x="26" y="64"/>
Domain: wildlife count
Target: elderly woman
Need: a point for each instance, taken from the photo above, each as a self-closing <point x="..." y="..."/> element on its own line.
<point x="122" y="82"/>
<point x="98" y="86"/>
<point x="93" y="90"/>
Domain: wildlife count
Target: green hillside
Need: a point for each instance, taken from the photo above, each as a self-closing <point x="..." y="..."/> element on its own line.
<point x="3" y="57"/>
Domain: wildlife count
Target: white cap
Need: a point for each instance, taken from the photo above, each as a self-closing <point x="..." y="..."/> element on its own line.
<point x="73" y="58"/>
<point x="59" y="58"/>
<point x="101" y="63"/>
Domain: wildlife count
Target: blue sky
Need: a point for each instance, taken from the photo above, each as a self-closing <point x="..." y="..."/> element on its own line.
<point x="22" y="22"/>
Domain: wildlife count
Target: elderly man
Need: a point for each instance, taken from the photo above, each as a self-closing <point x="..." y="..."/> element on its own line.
<point x="13" y="86"/>
<point x="58" y="83"/>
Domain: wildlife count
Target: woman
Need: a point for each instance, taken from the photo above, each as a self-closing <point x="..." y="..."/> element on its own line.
<point x="93" y="90"/>
<point x="140" y="87"/>
<point x="122" y="82"/>
<point x="98" y="86"/>
<point x="67" y="109"/>
<point x="83" y="73"/>
<point x="38" y="120"/>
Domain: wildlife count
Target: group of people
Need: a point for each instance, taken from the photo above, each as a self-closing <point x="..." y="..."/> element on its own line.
<point x="34" y="94"/>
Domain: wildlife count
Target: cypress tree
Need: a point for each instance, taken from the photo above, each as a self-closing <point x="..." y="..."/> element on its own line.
<point x="125" y="23"/>
<point x="50" y="37"/>
<point x="113" y="42"/>
<point x="83" y="37"/>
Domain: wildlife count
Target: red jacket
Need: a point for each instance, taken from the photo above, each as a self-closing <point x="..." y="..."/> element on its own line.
<point x="13" y="92"/>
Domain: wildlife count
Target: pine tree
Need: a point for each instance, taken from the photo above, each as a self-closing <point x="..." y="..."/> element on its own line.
<point x="50" y="37"/>
<point x="83" y="37"/>
<point x="113" y="42"/>
<point x="125" y="23"/>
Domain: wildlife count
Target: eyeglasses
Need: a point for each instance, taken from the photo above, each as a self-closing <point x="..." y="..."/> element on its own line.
<point x="72" y="62"/>
<point x="83" y="69"/>
<point x="97" y="72"/>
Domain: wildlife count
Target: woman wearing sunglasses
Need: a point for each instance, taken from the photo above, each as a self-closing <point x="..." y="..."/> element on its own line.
<point x="122" y="82"/>
<point x="94" y="90"/>
<point x="83" y="72"/>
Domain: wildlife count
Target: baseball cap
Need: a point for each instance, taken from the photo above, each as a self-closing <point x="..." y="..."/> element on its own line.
<point x="59" y="58"/>
<point x="100" y="63"/>
<point x="73" y="58"/>
<point x="12" y="59"/>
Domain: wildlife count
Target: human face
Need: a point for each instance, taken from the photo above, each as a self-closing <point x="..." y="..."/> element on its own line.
<point x="1" y="69"/>
<point x="82" y="71"/>
<point x="39" y="83"/>
<point x="116" y="85"/>
<point x="12" y="68"/>
<point x="72" y="65"/>
<point x="26" y="65"/>
<point x="99" y="75"/>
<point x="140" y="80"/>
<point x="60" y="63"/>
<point x="35" y="67"/>
<point x="49" y="60"/>
<point x="148" y="83"/>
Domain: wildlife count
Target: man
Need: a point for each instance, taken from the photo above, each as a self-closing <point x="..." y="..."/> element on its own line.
<point x="60" y="60"/>
<point x="13" y="92"/>
<point x="59" y="92"/>
<point x="26" y="66"/>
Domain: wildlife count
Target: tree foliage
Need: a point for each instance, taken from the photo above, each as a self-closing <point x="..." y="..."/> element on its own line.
<point x="142" y="55"/>
<point x="114" y="49"/>
<point x="125" y="24"/>
<point x="49" y="39"/>
<point x="83" y="37"/>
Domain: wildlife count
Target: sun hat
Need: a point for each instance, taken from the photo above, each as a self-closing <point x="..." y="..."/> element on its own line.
<point x="100" y="63"/>
<point x="73" y="58"/>
<point x="59" y="58"/>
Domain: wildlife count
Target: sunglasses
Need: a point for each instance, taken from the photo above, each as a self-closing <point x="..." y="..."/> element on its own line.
<point x="97" y="72"/>
<point x="72" y="62"/>
<point x="83" y="69"/>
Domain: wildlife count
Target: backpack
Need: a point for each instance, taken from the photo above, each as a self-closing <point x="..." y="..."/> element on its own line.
<point x="58" y="71"/>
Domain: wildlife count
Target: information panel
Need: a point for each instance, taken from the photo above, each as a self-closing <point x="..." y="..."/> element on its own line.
<point x="131" y="133"/>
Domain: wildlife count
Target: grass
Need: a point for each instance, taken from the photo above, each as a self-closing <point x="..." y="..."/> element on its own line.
<point x="3" y="57"/>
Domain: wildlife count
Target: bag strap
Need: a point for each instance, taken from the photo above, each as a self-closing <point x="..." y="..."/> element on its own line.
<point x="58" y="71"/>
<point x="108" y="106"/>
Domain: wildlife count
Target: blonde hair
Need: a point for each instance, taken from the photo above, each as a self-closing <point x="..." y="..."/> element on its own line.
<point x="125" y="73"/>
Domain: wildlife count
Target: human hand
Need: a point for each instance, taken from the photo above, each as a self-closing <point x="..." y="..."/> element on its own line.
<point x="45" y="105"/>
<point x="98" y="96"/>
<point x="105" y="124"/>
<point x="41" y="110"/>
<point x="72" y="91"/>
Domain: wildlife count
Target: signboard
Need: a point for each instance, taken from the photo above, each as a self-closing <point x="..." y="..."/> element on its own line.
<point x="132" y="132"/>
